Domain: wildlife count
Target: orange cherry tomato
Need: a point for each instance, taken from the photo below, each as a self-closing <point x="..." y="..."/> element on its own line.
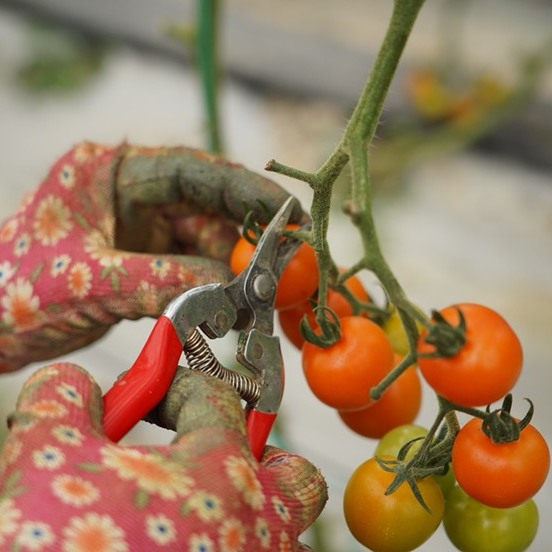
<point x="487" y="366"/>
<point x="500" y="475"/>
<point x="399" y="405"/>
<point x="342" y="375"/>
<point x="394" y="522"/>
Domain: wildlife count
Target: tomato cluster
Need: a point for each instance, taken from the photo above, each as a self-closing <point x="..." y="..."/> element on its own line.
<point x="470" y="356"/>
<point x="402" y="524"/>
<point x="342" y="375"/>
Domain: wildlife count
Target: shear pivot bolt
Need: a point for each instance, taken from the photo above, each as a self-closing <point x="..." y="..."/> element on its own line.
<point x="221" y="319"/>
<point x="257" y="351"/>
<point x="264" y="287"/>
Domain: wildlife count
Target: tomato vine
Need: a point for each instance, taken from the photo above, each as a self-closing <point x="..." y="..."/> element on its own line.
<point x="353" y="149"/>
<point x="467" y="353"/>
<point x="438" y="345"/>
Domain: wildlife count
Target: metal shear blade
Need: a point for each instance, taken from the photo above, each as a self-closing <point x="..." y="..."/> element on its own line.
<point x="254" y="290"/>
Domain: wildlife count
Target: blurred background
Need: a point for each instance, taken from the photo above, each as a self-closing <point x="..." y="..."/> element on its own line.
<point x="462" y="162"/>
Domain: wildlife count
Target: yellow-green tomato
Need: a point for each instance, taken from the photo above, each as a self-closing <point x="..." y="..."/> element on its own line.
<point x="392" y="442"/>
<point x="474" y="527"/>
<point x="396" y="333"/>
<point x="396" y="522"/>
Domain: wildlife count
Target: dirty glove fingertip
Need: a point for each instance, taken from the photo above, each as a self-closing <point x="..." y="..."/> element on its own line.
<point x="60" y="391"/>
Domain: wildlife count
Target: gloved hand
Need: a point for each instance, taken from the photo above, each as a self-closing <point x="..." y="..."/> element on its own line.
<point x="63" y="484"/>
<point x="116" y="233"/>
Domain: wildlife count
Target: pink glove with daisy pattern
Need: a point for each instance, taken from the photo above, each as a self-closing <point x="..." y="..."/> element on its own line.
<point x="115" y="233"/>
<point x="65" y="486"/>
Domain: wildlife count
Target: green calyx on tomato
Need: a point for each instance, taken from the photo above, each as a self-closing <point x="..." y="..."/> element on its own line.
<point x="327" y="333"/>
<point x="501" y="427"/>
<point x="337" y="305"/>
<point x="323" y="328"/>
<point x="403" y="443"/>
<point x="448" y="339"/>
<point x="394" y="441"/>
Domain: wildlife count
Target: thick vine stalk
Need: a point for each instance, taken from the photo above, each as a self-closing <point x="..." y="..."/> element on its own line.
<point x="207" y="52"/>
<point x="353" y="148"/>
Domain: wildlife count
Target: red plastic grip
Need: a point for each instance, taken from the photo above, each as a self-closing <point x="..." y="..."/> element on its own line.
<point x="259" y="425"/>
<point x="145" y="384"/>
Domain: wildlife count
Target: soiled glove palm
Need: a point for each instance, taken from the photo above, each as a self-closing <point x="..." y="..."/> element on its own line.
<point x="65" y="486"/>
<point x="116" y="233"/>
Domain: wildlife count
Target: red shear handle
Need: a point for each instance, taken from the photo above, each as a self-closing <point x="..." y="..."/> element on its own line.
<point x="259" y="425"/>
<point x="145" y="384"/>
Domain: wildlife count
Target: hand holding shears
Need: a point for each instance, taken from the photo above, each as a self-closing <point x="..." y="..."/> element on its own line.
<point x="245" y="304"/>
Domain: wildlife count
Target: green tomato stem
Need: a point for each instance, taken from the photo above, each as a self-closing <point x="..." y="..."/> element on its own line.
<point x="208" y="12"/>
<point x="377" y="391"/>
<point x="353" y="147"/>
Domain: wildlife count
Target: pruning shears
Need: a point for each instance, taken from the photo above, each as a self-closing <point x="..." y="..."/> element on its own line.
<point x="245" y="304"/>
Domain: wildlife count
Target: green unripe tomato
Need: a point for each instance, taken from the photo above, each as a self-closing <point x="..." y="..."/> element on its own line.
<point x="392" y="442"/>
<point x="474" y="527"/>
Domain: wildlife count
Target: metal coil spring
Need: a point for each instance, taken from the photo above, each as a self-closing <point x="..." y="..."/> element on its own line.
<point x="200" y="357"/>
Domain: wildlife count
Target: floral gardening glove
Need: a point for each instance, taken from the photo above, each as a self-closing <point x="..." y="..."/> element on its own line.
<point x="116" y="233"/>
<point x="65" y="486"/>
